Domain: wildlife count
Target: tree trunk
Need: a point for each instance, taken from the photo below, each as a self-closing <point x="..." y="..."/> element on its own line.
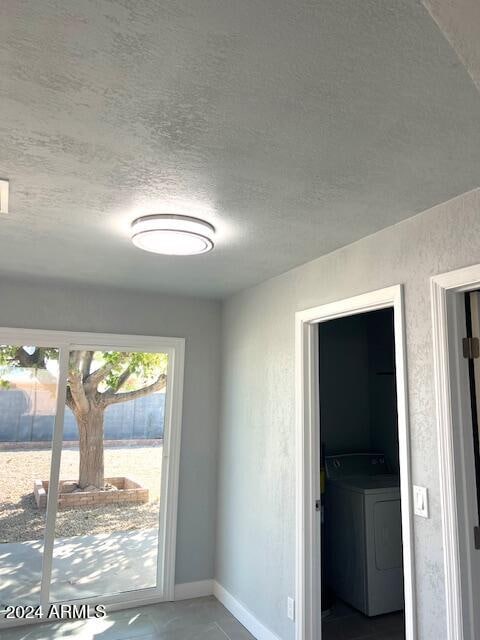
<point x="90" y="429"/>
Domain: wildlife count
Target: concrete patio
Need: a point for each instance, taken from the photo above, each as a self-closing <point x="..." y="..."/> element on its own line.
<point x="83" y="566"/>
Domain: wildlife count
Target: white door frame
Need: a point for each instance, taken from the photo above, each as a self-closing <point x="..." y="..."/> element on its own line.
<point x="175" y="349"/>
<point x="308" y="595"/>
<point x="458" y="281"/>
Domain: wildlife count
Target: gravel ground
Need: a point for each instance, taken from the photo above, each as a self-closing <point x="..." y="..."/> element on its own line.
<point x="20" y="520"/>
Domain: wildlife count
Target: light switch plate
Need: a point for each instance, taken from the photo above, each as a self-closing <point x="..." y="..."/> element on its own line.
<point x="291" y="608"/>
<point x="4" y="189"/>
<point x="420" y="501"/>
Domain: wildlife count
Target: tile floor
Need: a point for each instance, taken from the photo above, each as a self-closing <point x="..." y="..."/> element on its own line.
<point x="199" y="619"/>
<point x="346" y="623"/>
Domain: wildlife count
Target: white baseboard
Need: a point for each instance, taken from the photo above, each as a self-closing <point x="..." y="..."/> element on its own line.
<point x="242" y="614"/>
<point x="189" y="590"/>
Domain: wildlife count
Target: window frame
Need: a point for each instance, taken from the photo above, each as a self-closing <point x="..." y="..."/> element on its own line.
<point x="66" y="341"/>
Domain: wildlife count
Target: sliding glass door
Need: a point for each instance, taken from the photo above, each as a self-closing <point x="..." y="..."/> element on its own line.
<point x="89" y="450"/>
<point x="28" y="396"/>
<point x="107" y="529"/>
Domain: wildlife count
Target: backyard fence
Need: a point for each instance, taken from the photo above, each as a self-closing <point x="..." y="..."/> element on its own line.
<point x="26" y="415"/>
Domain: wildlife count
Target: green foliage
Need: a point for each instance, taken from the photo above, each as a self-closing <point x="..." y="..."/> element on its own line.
<point x="11" y="355"/>
<point x="143" y="368"/>
<point x="7" y="355"/>
<point x="125" y="371"/>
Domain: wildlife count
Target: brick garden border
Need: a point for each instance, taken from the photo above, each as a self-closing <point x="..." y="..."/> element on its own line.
<point x="129" y="491"/>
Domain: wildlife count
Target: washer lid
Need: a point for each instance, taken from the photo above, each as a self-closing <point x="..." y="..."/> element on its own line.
<point x="368" y="485"/>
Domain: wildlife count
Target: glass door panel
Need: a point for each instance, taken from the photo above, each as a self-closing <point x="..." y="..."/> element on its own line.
<point x="108" y="528"/>
<point x="28" y="396"/>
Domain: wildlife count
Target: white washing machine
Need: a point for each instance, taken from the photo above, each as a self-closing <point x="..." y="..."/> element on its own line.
<point x="364" y="533"/>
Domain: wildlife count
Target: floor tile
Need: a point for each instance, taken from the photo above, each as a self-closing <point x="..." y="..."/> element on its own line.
<point x="199" y="619"/>
<point x="233" y="630"/>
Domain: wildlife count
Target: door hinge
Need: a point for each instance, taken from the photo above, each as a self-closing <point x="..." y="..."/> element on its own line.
<point x="318" y="505"/>
<point x="476" y="537"/>
<point x="471" y="348"/>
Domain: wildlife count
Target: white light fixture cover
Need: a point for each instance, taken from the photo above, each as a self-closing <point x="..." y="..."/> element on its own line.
<point x="172" y="235"/>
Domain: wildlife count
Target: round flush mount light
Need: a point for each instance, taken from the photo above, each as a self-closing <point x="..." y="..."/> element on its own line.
<point x="172" y="235"/>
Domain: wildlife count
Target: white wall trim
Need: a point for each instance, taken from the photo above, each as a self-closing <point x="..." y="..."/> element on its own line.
<point x="189" y="590"/>
<point x="242" y="614"/>
<point x="457" y="281"/>
<point x="171" y="459"/>
<point x="47" y="338"/>
<point x="308" y="596"/>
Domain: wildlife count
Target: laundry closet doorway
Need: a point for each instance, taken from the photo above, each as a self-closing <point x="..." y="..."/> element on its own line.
<point x="377" y="456"/>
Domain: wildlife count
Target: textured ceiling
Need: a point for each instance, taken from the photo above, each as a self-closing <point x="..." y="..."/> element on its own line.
<point x="294" y="127"/>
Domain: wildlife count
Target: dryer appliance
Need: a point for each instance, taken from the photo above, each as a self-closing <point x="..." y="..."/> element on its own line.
<point x="364" y="533"/>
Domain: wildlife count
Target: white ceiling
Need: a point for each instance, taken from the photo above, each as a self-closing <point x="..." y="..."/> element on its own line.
<point x="294" y="127"/>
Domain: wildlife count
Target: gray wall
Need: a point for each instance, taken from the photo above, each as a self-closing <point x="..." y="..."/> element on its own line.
<point x="63" y="307"/>
<point x="256" y="500"/>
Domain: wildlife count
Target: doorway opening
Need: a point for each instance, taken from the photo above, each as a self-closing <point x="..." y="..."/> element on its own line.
<point x="456" y="332"/>
<point x="391" y="454"/>
<point x="463" y="326"/>
<point x="361" y="524"/>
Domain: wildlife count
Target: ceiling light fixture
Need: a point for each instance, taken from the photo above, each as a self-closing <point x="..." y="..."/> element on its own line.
<point x="172" y="235"/>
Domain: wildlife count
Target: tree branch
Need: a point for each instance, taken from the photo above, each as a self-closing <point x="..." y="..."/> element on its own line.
<point x="97" y="376"/>
<point x="75" y="383"/>
<point x="94" y="379"/>
<point x="25" y="359"/>
<point x="74" y="359"/>
<point x="109" y="397"/>
<point x="86" y="363"/>
<point x="69" y="401"/>
<point x="122" y="379"/>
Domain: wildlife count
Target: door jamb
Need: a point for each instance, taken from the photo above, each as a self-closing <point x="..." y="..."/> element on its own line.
<point x="458" y="281"/>
<point x="308" y="619"/>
